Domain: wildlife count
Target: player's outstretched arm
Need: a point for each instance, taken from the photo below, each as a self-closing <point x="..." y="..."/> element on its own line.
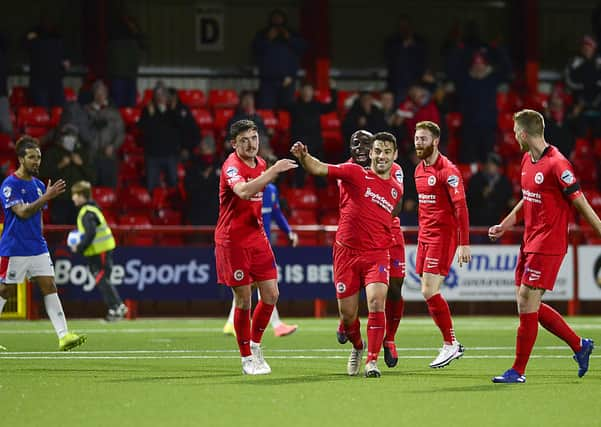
<point x="26" y="210"/>
<point x="309" y="163"/>
<point x="585" y="209"/>
<point x="496" y="231"/>
<point x="245" y="190"/>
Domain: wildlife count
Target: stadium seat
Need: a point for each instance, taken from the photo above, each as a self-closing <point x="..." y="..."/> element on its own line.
<point x="6" y="144"/>
<point x="329" y="217"/>
<point x="345" y="100"/>
<point x="586" y="171"/>
<point x="269" y="118"/>
<point x="322" y="95"/>
<point x="137" y="236"/>
<point x="36" y="131"/>
<point x="300" y="198"/>
<point x="303" y="217"/>
<point x="333" y="145"/>
<point x="203" y="119"/>
<point x="167" y="217"/>
<point x="328" y="197"/>
<point x="454" y="121"/>
<point x="166" y="198"/>
<point x="33" y="116"/>
<point x="466" y="172"/>
<point x="505" y="121"/>
<point x="330" y="121"/>
<point x="193" y="98"/>
<point x="508" y="102"/>
<point x="130" y="147"/>
<point x="223" y="98"/>
<point x="130" y="116"/>
<point x="55" y="115"/>
<point x="222" y="116"/>
<point x="70" y="95"/>
<point x="582" y="148"/>
<point x="536" y="101"/>
<point x="284" y="120"/>
<point x="18" y="97"/>
<point x="135" y="198"/>
<point x="146" y="97"/>
<point x="105" y="197"/>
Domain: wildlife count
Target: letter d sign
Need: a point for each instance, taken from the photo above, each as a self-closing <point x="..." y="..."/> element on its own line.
<point x="209" y="28"/>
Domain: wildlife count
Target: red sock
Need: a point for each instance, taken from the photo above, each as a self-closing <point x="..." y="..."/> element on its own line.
<point x="376" y="326"/>
<point x="261" y="317"/>
<point x="341" y="327"/>
<point x="441" y="314"/>
<point x="526" y="338"/>
<point x="353" y="332"/>
<point x="242" y="328"/>
<point x="552" y="321"/>
<point x="394" y="314"/>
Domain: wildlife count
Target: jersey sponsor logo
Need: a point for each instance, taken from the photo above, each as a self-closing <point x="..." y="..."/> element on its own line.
<point x="394" y="193"/>
<point x="539" y="178"/>
<point x="568" y="177"/>
<point x="7" y="191"/>
<point x="453" y="181"/>
<point x="340" y="287"/>
<point x="531" y="196"/>
<point x="231" y="171"/>
<point x="431" y="180"/>
<point x="398" y="175"/>
<point x="238" y="275"/>
<point x="379" y="200"/>
<point x="426" y="198"/>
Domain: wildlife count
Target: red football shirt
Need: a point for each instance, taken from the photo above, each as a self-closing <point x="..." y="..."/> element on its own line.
<point x="440" y="193"/>
<point x="366" y="210"/>
<point x="240" y="222"/>
<point x="548" y="187"/>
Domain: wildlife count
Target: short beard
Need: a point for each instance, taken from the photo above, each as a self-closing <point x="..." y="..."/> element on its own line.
<point x="425" y="153"/>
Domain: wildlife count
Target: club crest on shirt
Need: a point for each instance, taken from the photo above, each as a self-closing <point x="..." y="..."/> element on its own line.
<point x="7" y="191"/>
<point x="340" y="287"/>
<point x="431" y="180"/>
<point x="539" y="178"/>
<point x="394" y="193"/>
<point x="399" y="176"/>
<point x="453" y="181"/>
<point x="238" y="274"/>
<point x="568" y="177"/>
<point x="231" y="171"/>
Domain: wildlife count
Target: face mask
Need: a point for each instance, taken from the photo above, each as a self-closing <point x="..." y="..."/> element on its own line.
<point x="69" y="142"/>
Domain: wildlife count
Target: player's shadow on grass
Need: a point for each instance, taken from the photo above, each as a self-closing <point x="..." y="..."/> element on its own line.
<point x="297" y="379"/>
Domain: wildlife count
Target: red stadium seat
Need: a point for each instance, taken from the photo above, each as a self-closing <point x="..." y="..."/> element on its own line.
<point x="33" y="116"/>
<point x="303" y="217"/>
<point x="55" y="115"/>
<point x="203" y="119"/>
<point x="345" y="100"/>
<point x="508" y="102"/>
<point x="222" y="116"/>
<point x="105" y="197"/>
<point x="454" y="121"/>
<point x="70" y="95"/>
<point x="167" y="217"/>
<point x="330" y="121"/>
<point x="18" y="97"/>
<point x="193" y="98"/>
<point x="505" y="122"/>
<point x="6" y="144"/>
<point x="130" y="173"/>
<point x="223" y="98"/>
<point x="135" y="199"/>
<point x="536" y="101"/>
<point x="283" y="120"/>
<point x="322" y="95"/>
<point x="269" y="118"/>
<point x="582" y="148"/>
<point x="130" y="147"/>
<point x="466" y="172"/>
<point x="130" y="115"/>
<point x="36" y="131"/>
<point x="137" y="236"/>
<point x="332" y="144"/>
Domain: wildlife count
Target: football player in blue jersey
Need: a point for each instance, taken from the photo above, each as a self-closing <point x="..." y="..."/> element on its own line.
<point x="23" y="249"/>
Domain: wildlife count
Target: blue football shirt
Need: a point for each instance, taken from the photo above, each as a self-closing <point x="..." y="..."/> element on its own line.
<point x="21" y="237"/>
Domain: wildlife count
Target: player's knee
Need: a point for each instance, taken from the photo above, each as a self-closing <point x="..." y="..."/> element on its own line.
<point x="270" y="296"/>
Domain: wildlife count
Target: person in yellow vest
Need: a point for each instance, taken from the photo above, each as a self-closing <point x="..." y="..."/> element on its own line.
<point x="96" y="245"/>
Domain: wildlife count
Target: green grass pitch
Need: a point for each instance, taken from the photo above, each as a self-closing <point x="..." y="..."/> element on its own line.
<point x="185" y="372"/>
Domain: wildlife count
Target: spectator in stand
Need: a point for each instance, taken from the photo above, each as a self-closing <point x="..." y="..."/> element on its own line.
<point x="277" y="50"/>
<point x="124" y="50"/>
<point x="393" y="118"/>
<point x="202" y="187"/>
<point x="246" y="111"/>
<point x="559" y="123"/>
<point x="583" y="78"/>
<point x="477" y="91"/>
<point x="489" y="196"/>
<point x="418" y="107"/>
<point x="408" y="214"/>
<point x="364" y="114"/>
<point x="189" y="132"/>
<point x="159" y="127"/>
<point x="406" y="54"/>
<point x="108" y="134"/>
<point x="5" y="122"/>
<point x="305" y="124"/>
<point x="66" y="159"/>
<point x="47" y="64"/>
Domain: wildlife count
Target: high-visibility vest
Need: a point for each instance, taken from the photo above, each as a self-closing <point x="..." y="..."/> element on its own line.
<point x="103" y="240"/>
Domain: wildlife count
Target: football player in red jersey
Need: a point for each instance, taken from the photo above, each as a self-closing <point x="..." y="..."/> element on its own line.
<point x="364" y="236"/>
<point x="549" y="189"/>
<point x="360" y="144"/>
<point x="243" y="254"/>
<point x="443" y="217"/>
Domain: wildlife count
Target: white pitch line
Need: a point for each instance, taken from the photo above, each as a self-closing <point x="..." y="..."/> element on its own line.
<point x="74" y="357"/>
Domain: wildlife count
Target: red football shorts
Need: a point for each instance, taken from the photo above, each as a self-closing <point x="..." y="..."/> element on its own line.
<point x="537" y="270"/>
<point x="354" y="269"/>
<point x="435" y="258"/>
<point x="239" y="266"/>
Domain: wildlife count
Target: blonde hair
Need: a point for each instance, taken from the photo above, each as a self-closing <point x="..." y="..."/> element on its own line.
<point x="82" y="187"/>
<point x="432" y="127"/>
<point x="530" y="121"/>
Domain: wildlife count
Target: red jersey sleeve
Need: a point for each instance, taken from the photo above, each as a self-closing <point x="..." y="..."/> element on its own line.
<point x="345" y="171"/>
<point x="564" y="174"/>
<point x="456" y="192"/>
